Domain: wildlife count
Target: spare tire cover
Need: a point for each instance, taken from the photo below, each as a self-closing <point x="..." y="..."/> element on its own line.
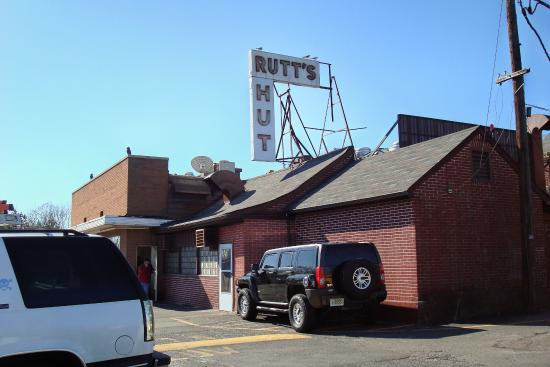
<point x="357" y="278"/>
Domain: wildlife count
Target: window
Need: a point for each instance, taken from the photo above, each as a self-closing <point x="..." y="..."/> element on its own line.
<point x="270" y="261"/>
<point x="208" y="261"/>
<point x="480" y="166"/>
<point x="171" y="262"/>
<point x="307" y="259"/>
<point x="188" y="256"/>
<point x="54" y="271"/>
<point x="286" y="260"/>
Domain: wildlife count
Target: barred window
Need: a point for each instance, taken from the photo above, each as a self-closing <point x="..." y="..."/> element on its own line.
<point x="480" y="166"/>
<point x="208" y="261"/>
<point x="188" y="260"/>
<point x="171" y="262"/>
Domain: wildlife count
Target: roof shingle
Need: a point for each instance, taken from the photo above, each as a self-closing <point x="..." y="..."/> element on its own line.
<point x="383" y="175"/>
<point x="264" y="189"/>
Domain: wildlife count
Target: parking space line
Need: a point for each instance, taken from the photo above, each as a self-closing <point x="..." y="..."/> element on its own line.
<point x="224" y="327"/>
<point x="228" y="341"/>
<point x="472" y="326"/>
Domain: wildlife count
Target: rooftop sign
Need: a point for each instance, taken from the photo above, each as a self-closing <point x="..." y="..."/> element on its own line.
<point x="264" y="69"/>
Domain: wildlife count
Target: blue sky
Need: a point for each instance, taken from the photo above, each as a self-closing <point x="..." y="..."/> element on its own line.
<point x="81" y="80"/>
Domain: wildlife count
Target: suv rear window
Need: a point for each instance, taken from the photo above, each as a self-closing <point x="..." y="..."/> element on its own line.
<point x="333" y="255"/>
<point x="307" y="258"/>
<point x="62" y="271"/>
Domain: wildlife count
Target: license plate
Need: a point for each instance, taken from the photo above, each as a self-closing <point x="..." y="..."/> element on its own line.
<point x="334" y="302"/>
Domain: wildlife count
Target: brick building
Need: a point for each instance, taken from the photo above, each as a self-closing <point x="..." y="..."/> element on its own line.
<point x="446" y="225"/>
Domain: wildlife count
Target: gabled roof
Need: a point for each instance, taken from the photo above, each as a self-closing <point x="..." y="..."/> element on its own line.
<point x="384" y="175"/>
<point x="263" y="190"/>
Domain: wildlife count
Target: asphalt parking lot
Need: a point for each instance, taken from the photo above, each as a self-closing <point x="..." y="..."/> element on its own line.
<point x="217" y="338"/>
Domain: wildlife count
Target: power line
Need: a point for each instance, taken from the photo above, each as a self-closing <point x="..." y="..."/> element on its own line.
<point x="538" y="2"/>
<point x="537" y="107"/>
<point x="492" y="78"/>
<point x="524" y="13"/>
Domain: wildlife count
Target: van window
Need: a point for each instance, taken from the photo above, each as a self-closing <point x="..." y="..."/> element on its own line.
<point x="270" y="261"/>
<point x="307" y="258"/>
<point x="63" y="271"/>
<point x="286" y="260"/>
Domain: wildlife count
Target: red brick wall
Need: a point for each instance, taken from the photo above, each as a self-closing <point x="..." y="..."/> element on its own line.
<point x="389" y="225"/>
<point x="468" y="241"/>
<point x="134" y="186"/>
<point x="196" y="291"/>
<point x="547" y="246"/>
<point x="190" y="290"/>
<point x="547" y="171"/>
<point x="107" y="192"/>
<point x="250" y="240"/>
<point x="148" y="186"/>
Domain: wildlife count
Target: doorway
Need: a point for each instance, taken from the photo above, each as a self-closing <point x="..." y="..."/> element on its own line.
<point x="149" y="252"/>
<point x="226" y="277"/>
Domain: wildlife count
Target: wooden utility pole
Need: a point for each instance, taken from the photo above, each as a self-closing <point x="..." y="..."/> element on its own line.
<point x="524" y="164"/>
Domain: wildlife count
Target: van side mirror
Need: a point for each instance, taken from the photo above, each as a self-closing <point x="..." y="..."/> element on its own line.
<point x="254" y="268"/>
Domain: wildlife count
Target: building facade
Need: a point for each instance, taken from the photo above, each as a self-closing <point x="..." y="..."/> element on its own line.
<point x="443" y="213"/>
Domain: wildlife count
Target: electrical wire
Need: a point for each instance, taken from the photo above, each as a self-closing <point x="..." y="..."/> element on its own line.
<point x="537" y="107"/>
<point x="524" y="13"/>
<point x="492" y="78"/>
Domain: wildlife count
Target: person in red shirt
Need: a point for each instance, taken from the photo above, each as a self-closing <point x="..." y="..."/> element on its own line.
<point x="144" y="275"/>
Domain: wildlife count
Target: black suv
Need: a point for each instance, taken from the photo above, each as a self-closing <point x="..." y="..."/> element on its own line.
<point x="302" y="280"/>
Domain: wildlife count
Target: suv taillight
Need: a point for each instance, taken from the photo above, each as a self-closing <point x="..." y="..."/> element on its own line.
<point x="320" y="277"/>
<point x="382" y="276"/>
<point x="148" y="320"/>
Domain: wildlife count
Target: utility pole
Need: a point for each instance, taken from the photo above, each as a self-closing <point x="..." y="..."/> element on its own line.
<point x="522" y="143"/>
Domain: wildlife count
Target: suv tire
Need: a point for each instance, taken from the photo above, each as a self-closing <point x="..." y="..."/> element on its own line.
<point x="301" y="314"/>
<point x="246" y="305"/>
<point x="357" y="279"/>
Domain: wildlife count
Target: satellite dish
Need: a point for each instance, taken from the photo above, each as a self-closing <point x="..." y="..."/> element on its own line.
<point x="202" y="164"/>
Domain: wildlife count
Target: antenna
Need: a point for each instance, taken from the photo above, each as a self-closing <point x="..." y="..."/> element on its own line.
<point x="203" y="164"/>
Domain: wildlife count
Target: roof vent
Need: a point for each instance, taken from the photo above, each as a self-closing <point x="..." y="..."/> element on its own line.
<point x="363" y="152"/>
<point x="394" y="146"/>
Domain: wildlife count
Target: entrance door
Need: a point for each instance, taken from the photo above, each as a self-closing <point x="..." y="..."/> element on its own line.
<point x="226" y="277"/>
<point x="149" y="252"/>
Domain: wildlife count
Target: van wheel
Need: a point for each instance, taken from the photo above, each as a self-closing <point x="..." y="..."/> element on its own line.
<point x="301" y="314"/>
<point x="246" y="307"/>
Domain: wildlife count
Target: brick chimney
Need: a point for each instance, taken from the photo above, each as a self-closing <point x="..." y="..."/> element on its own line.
<point x="536" y="124"/>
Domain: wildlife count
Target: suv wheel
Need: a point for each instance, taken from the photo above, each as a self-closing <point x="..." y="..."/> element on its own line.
<point x="357" y="278"/>
<point x="246" y="307"/>
<point x="300" y="313"/>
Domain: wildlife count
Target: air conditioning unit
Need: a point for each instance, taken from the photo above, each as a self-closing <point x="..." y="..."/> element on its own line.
<point x="206" y="237"/>
<point x="227" y="166"/>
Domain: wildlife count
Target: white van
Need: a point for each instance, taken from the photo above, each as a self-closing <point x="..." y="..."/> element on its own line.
<point x="71" y="299"/>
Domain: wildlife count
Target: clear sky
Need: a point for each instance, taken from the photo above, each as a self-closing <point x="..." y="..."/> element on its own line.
<point x="81" y="80"/>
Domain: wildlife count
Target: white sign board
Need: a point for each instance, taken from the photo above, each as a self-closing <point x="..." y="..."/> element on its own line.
<point x="284" y="69"/>
<point x="264" y="69"/>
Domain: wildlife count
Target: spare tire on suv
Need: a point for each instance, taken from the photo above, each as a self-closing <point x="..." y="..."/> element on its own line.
<point x="357" y="278"/>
